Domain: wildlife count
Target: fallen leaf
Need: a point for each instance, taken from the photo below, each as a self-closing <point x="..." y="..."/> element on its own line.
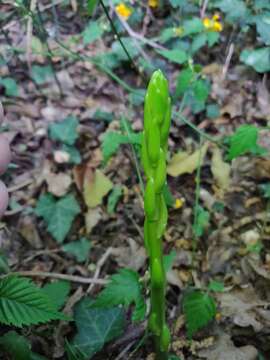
<point x="96" y="189"/>
<point x="241" y="306"/>
<point x="133" y="257"/>
<point x="58" y="184"/>
<point x="184" y="163"/>
<point x="224" y="349"/>
<point x="220" y="170"/>
<point x="92" y="217"/>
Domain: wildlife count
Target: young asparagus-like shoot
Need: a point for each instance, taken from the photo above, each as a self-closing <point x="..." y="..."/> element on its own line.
<point x="157" y="118"/>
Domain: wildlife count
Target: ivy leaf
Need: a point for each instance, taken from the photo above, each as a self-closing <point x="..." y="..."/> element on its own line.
<point x="177" y="55"/>
<point x="111" y="142"/>
<point x="123" y="289"/>
<point x="41" y="74"/>
<point x="265" y="188"/>
<point x="22" y="303"/>
<point x="79" y="249"/>
<point x="96" y="327"/>
<point x="199" y="309"/>
<point x="65" y="131"/>
<point x="58" y="215"/>
<point x="74" y="154"/>
<point x="10" y="85"/>
<point x="58" y="292"/>
<point x="243" y="141"/>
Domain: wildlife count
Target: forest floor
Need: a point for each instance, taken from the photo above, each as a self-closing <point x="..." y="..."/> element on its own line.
<point x="62" y="107"/>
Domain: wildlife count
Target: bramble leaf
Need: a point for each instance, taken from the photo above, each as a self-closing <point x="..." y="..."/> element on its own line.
<point x="22" y="303"/>
<point x="199" y="309"/>
<point x="243" y="141"/>
<point x="58" y="292"/>
<point x="123" y="289"/>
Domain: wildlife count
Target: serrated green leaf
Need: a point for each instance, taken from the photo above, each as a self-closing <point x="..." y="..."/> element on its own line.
<point x="22" y="303"/>
<point x="202" y="220"/>
<point x="58" y="292"/>
<point x="79" y="249"/>
<point x="58" y="215"/>
<point x="183" y="81"/>
<point x="92" y="32"/>
<point x="114" y="197"/>
<point x="96" y="327"/>
<point x="201" y="90"/>
<point x="65" y="131"/>
<point x="259" y="59"/>
<point x="199" y="309"/>
<point x="177" y="55"/>
<point x="243" y="141"/>
<point x="10" y="85"/>
<point x="124" y="288"/>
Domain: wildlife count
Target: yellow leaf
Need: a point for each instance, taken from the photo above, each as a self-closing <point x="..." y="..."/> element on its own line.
<point x="184" y="163"/>
<point x="220" y="170"/>
<point x="95" y="190"/>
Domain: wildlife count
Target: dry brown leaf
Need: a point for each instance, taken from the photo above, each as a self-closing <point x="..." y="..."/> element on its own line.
<point x="133" y="256"/>
<point x="224" y="349"/>
<point x="220" y="169"/>
<point x="96" y="189"/>
<point x="184" y="163"/>
<point x="240" y="306"/>
<point x="92" y="217"/>
<point x="58" y="184"/>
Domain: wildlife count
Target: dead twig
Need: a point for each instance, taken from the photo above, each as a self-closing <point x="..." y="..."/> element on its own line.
<point x="72" y="278"/>
<point x="100" y="263"/>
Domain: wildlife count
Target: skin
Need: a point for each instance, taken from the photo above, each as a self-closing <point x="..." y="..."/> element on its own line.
<point x="5" y="157"/>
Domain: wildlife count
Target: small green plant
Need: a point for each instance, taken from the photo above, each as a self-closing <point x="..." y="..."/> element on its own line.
<point x="157" y="118"/>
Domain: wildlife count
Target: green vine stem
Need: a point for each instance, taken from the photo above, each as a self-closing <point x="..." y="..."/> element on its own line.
<point x="157" y="119"/>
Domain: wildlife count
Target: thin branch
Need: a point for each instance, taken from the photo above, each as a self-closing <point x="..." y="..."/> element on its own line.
<point x="119" y="38"/>
<point x="137" y="36"/>
<point x="52" y="275"/>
